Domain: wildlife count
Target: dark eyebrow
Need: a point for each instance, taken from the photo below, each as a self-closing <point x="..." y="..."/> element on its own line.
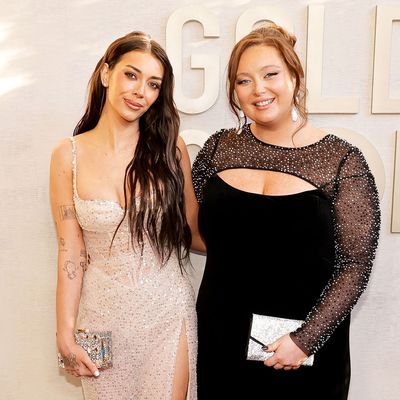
<point x="271" y="65"/>
<point x="262" y="68"/>
<point x="139" y="71"/>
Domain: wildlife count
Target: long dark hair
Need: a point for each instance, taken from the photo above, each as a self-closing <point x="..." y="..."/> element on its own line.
<point x="155" y="168"/>
<point x="274" y="36"/>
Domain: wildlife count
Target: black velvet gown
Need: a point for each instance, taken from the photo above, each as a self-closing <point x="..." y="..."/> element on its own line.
<point x="285" y="256"/>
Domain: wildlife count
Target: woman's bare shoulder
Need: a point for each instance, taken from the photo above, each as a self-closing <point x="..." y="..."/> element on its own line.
<point x="62" y="152"/>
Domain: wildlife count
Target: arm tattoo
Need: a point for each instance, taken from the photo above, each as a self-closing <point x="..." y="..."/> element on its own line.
<point x="66" y="212"/>
<point x="62" y="244"/>
<point x="85" y="260"/>
<point x="71" y="269"/>
<point x="83" y="265"/>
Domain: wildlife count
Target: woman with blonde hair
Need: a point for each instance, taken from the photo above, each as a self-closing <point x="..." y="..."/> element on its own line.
<point x="290" y="216"/>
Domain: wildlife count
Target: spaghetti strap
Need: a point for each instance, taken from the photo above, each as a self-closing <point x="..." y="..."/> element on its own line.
<point x="73" y="143"/>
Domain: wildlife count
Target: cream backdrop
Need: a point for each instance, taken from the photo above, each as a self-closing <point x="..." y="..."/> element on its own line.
<point x="48" y="49"/>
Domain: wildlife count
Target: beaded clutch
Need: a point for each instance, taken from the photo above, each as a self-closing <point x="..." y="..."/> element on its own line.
<point x="265" y="330"/>
<point x="97" y="344"/>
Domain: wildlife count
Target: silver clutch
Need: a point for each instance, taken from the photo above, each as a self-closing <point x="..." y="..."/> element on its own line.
<point x="265" y="330"/>
<point x="97" y="344"/>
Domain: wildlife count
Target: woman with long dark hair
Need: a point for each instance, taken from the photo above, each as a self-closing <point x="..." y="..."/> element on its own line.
<point x="123" y="205"/>
<point x="290" y="216"/>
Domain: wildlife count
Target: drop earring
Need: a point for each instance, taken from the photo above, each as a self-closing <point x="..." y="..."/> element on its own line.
<point x="242" y="122"/>
<point x="294" y="114"/>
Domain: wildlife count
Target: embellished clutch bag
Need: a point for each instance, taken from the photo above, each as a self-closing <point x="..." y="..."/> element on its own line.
<point x="97" y="344"/>
<point x="265" y="330"/>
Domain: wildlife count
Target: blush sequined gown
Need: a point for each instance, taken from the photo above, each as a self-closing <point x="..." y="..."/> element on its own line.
<point x="144" y="304"/>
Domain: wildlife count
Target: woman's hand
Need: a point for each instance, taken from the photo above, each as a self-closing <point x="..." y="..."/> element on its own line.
<point x="76" y="360"/>
<point x="287" y="354"/>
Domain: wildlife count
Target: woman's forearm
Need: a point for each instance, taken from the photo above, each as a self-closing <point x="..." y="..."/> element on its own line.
<point x="71" y="267"/>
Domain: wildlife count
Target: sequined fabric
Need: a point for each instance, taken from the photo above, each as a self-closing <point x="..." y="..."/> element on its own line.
<point x="143" y="303"/>
<point x="340" y="172"/>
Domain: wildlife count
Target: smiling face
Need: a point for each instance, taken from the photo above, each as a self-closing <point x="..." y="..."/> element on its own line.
<point x="264" y="86"/>
<point x="133" y="84"/>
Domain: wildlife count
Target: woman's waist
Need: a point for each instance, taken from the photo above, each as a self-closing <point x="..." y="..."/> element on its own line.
<point x="284" y="297"/>
<point x="105" y="253"/>
<point x="228" y="308"/>
<point x="131" y="270"/>
<point x="236" y="266"/>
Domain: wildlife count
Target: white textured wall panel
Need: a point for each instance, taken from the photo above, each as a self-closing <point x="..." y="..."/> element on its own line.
<point x="48" y="49"/>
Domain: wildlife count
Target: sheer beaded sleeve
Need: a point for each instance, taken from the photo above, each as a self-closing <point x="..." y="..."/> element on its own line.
<point x="202" y="167"/>
<point x="356" y="214"/>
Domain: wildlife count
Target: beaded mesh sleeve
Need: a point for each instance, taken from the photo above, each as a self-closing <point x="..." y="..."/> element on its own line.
<point x="340" y="171"/>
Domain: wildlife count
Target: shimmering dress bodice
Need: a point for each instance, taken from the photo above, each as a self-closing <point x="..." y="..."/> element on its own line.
<point x="141" y="301"/>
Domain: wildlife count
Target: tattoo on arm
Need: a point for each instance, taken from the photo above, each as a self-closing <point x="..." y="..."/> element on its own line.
<point x="85" y="260"/>
<point x="66" y="212"/>
<point x="62" y="247"/>
<point x="71" y="269"/>
<point x="83" y="265"/>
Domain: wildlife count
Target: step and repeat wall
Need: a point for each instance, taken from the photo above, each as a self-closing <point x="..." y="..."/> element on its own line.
<point x="351" y="53"/>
